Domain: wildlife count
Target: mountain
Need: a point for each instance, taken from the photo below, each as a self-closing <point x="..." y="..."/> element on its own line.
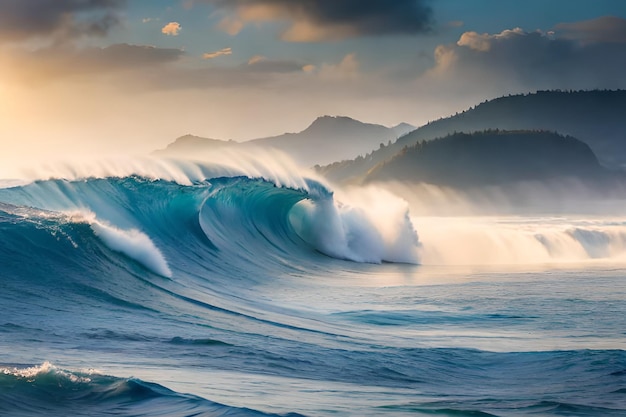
<point x="595" y="117"/>
<point x="403" y="128"/>
<point x="188" y="144"/>
<point x="326" y="140"/>
<point x="491" y="157"/>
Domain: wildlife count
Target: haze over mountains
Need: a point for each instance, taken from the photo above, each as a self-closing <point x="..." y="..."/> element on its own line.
<point x="326" y="140"/>
<point x="535" y="136"/>
<point x="594" y="117"/>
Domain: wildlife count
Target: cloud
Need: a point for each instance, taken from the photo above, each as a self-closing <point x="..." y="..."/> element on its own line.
<point x="328" y="20"/>
<point x="125" y="56"/>
<point x="211" y="55"/>
<point x="62" y="19"/>
<point x="516" y="60"/>
<point x="67" y="62"/>
<point x="259" y="73"/>
<point x="483" y="42"/>
<point x="255" y="59"/>
<point x="260" y="64"/>
<point x="346" y="69"/>
<point x="609" y="29"/>
<point x="475" y="41"/>
<point x="231" y="25"/>
<point x="171" y="29"/>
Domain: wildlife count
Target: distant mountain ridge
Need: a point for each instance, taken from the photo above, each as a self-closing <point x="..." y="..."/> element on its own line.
<point x="327" y="139"/>
<point x="403" y="128"/>
<point x="189" y="143"/>
<point x="598" y="118"/>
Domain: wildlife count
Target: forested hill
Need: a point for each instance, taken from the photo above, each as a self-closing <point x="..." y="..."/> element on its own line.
<point x="491" y="158"/>
<point x="598" y="118"/>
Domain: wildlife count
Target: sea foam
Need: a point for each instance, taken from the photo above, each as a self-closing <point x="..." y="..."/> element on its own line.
<point x="134" y="244"/>
<point x="371" y="226"/>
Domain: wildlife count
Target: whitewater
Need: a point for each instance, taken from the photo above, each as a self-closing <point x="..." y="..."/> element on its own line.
<point x="247" y="286"/>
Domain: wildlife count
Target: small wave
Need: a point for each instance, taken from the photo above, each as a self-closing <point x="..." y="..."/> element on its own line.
<point x="200" y="342"/>
<point x="572" y="409"/>
<point x="51" y="391"/>
<point x="111" y="335"/>
<point x="492" y="407"/>
<point x="438" y="409"/>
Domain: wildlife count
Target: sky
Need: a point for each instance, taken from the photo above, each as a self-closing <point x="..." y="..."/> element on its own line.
<point x="129" y="76"/>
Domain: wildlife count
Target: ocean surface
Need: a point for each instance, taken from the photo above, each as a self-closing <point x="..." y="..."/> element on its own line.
<point x="187" y="289"/>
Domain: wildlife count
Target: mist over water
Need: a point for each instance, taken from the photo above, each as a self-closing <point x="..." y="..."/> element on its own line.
<point x="521" y="240"/>
<point x="522" y="224"/>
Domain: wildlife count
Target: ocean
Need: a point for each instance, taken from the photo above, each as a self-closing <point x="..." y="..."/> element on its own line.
<point x="174" y="288"/>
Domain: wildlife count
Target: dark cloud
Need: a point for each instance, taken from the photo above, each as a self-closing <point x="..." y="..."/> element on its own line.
<point x="25" y="19"/>
<point x="516" y="60"/>
<point x="320" y="20"/>
<point x="126" y="56"/>
<point x="610" y="29"/>
<point x="66" y="62"/>
<point x="259" y="74"/>
<point x="142" y="68"/>
<point x="262" y="64"/>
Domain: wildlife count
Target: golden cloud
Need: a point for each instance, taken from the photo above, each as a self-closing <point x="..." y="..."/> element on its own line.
<point x="211" y="55"/>
<point x="171" y="29"/>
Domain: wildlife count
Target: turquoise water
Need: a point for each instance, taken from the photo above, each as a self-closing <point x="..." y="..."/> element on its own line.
<point x="229" y="295"/>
